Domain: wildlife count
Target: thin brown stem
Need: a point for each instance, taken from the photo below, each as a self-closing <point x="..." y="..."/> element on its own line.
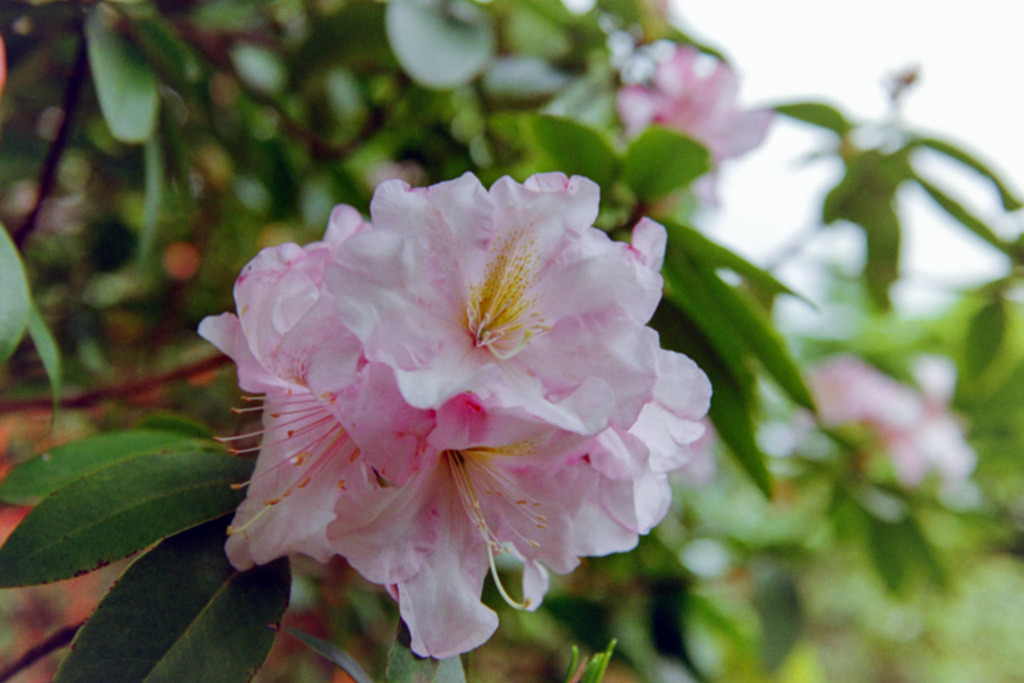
<point x="48" y="175"/>
<point x="55" y="642"/>
<point x="86" y="399"/>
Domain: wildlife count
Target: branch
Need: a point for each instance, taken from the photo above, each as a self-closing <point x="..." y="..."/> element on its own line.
<point x="55" y="642"/>
<point x="48" y="175"/>
<point x="129" y="388"/>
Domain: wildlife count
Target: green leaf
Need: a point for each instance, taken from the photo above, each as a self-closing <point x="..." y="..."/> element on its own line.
<point x="152" y="198"/>
<point x="716" y="256"/>
<point x="117" y="510"/>
<point x="14" y="299"/>
<point x="405" y="666"/>
<point x="985" y="336"/>
<point x="778" y="607"/>
<point x="333" y="654"/>
<point x="61" y="465"/>
<point x="441" y="45"/>
<point x="1008" y="198"/>
<point x="181" y="612"/>
<point x="575" y="149"/>
<point x="965" y="217"/>
<point x="177" y="424"/>
<point x="125" y="83"/>
<point x="730" y="414"/>
<point x="865" y="196"/>
<point x="660" y="161"/>
<point x="596" y="668"/>
<point x="816" y="114"/>
<point x="48" y="351"/>
<point x="745" y="321"/>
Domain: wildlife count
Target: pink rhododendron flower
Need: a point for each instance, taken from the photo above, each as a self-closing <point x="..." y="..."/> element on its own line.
<point x="470" y="376"/>
<point x="698" y="101"/>
<point x="915" y="428"/>
<point x="282" y="325"/>
<point x="458" y="288"/>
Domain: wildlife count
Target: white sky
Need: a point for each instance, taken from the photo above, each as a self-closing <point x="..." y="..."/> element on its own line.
<point x="970" y="57"/>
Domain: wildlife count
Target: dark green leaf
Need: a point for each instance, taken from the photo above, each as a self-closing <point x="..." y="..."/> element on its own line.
<point x="333" y="654"/>
<point x="660" y="161"/>
<point x="747" y="322"/>
<point x="14" y="300"/>
<point x="714" y="255"/>
<point x="816" y="114"/>
<point x="181" y="612"/>
<point x="1008" y="198"/>
<point x="177" y="424"/>
<point x="117" y="510"/>
<point x="439" y="44"/>
<point x="575" y="149"/>
<point x="985" y="337"/>
<point x="778" y="606"/>
<point x="731" y="417"/>
<point x="405" y="666"/>
<point x="964" y="217"/>
<point x="125" y="83"/>
<point x="48" y="351"/>
<point x="61" y="465"/>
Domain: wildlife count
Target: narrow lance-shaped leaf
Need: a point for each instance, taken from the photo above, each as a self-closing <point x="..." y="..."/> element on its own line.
<point x="816" y="114"/>
<point x="730" y="415"/>
<point x="717" y="256"/>
<point x="125" y="83"/>
<point x="118" y="510"/>
<point x="1009" y="199"/>
<point x="332" y="654"/>
<point x="181" y="612"/>
<point x="61" y="465"/>
<point x="964" y="217"/>
<point x="750" y="325"/>
<point x="985" y="336"/>
<point x="14" y="300"/>
<point x="660" y="161"/>
<point x="153" y="194"/>
<point x="48" y="351"/>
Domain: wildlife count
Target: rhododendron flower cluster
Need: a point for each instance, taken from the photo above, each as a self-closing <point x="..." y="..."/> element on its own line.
<point x="468" y="375"/>
<point x="697" y="101"/>
<point x="916" y="429"/>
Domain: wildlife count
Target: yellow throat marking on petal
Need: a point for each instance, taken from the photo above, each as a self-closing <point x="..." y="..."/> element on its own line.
<point x="499" y="313"/>
<point x="471" y="469"/>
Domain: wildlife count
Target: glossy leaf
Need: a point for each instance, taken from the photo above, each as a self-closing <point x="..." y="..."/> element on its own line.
<point x="985" y="336"/>
<point x="14" y="298"/>
<point x="118" y="510"/>
<point x="660" y="161"/>
<point x="405" y="666"/>
<point x="125" y="83"/>
<point x="1009" y="200"/>
<point x="49" y="353"/>
<point x="181" y="612"/>
<point x="816" y="114"/>
<point x="440" y="45"/>
<point x="963" y="216"/>
<point x="575" y="148"/>
<point x="730" y="414"/>
<point x="333" y="654"/>
<point x="61" y="465"/>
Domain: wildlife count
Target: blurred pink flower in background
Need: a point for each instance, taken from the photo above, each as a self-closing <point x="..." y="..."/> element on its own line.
<point x="915" y="428"/>
<point x="466" y="377"/>
<point x="695" y="94"/>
